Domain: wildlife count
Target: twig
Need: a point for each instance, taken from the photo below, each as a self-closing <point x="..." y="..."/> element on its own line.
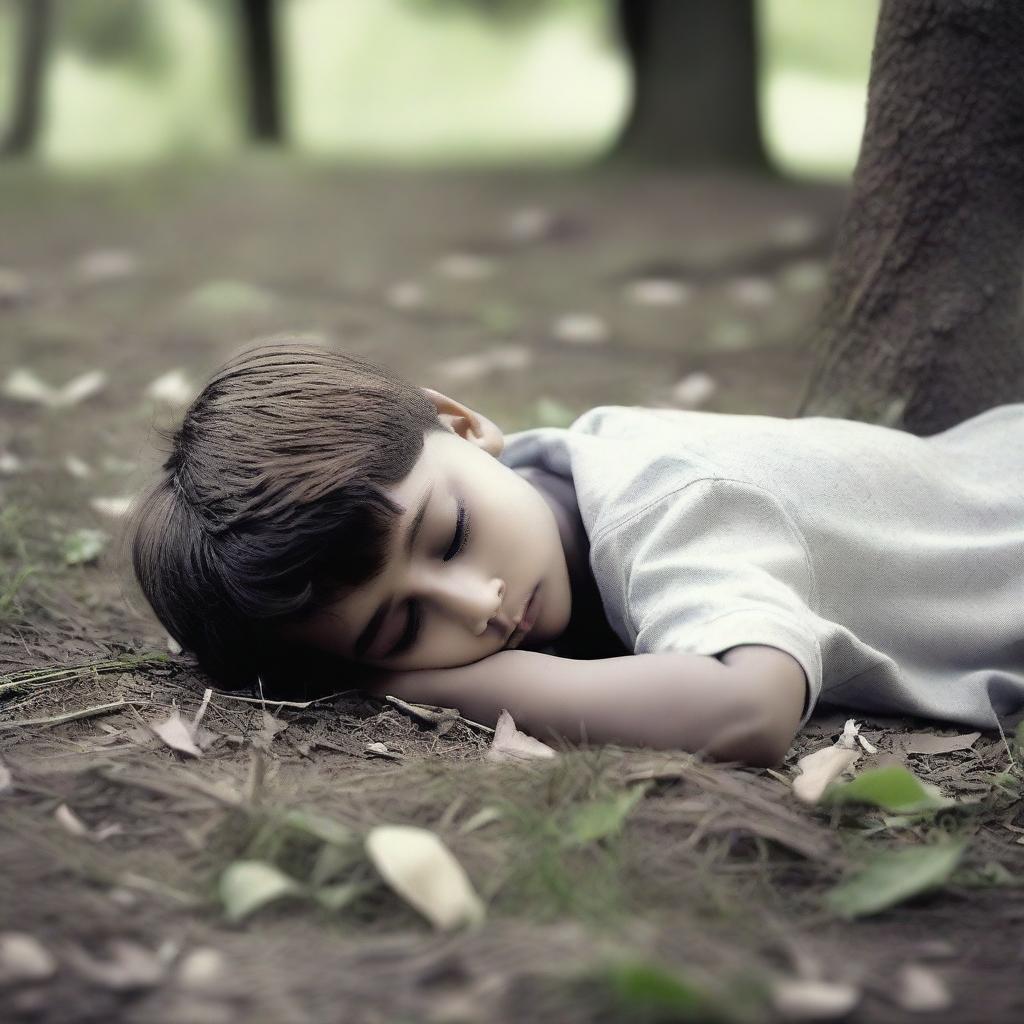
<point x="428" y="713"/>
<point x="70" y="716"/>
<point x="284" y="703"/>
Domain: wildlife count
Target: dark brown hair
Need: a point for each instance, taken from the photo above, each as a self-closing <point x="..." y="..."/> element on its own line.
<point x="271" y="503"/>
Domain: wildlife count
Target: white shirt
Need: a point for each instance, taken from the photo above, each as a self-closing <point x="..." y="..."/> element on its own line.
<point x="890" y="566"/>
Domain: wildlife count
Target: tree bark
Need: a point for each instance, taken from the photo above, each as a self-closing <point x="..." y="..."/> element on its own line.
<point x="262" y="72"/>
<point x="695" y="84"/>
<point x="27" y="103"/>
<point x="921" y="326"/>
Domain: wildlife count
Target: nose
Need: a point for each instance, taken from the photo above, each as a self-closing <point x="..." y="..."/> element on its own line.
<point x="467" y="597"/>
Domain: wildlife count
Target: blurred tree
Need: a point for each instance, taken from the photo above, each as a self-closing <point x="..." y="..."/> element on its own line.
<point x="695" y="83"/>
<point x="114" y="31"/>
<point x="262" y="72"/>
<point x="27" y="103"/>
<point x="921" y="327"/>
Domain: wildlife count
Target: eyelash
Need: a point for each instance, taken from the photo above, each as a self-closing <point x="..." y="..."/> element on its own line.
<point x="459" y="542"/>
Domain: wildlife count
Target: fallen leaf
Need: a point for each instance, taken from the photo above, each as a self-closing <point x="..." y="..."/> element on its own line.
<point x="893" y="876"/>
<point x="10" y="464"/>
<point x="79" y="389"/>
<point x="173" y="646"/>
<point x="820" y="768"/>
<point x="202" y="968"/>
<point x="421" y="869"/>
<point x="929" y="743"/>
<point x="24" y="958"/>
<point x="171" y="388"/>
<point x="601" y="818"/>
<point x="806" y="999"/>
<point x="655" y="291"/>
<point x="174" y="731"/>
<point x="129" y="966"/>
<point x="509" y="744"/>
<point x="485" y="816"/>
<point x="84" y="546"/>
<point x="116" y="508"/>
<point x="581" y="329"/>
<point x="70" y="821"/>
<point x="24" y="386"/>
<point x="247" y="885"/>
<point x="891" y="787"/>
<point x="693" y="390"/>
<point x="920" y="990"/>
<point x="334" y="897"/>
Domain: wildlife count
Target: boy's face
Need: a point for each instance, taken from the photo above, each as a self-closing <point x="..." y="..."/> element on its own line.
<point x="486" y="541"/>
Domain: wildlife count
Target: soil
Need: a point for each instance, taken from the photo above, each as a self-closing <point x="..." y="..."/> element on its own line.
<point x="719" y="875"/>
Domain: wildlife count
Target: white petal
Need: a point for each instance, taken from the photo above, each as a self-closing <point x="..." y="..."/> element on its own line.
<point x="177" y="735"/>
<point x="920" y="990"/>
<point x="24" y="958"/>
<point x="509" y="744"/>
<point x="819" y="769"/>
<point x="813" y="1000"/>
<point x="421" y="869"/>
<point x="81" y="388"/>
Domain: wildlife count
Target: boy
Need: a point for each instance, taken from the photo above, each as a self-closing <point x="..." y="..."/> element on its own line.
<point x="650" y="577"/>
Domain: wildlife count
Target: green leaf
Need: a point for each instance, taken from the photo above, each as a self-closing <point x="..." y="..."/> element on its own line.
<point x="247" y="885"/>
<point x="84" y="546"/>
<point x="320" y="826"/>
<point x="639" y="985"/>
<point x="894" y="876"/>
<point x="334" y="897"/>
<point x="891" y="787"/>
<point x="602" y="818"/>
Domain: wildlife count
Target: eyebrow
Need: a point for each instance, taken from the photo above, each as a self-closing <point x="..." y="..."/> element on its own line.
<point x="373" y="627"/>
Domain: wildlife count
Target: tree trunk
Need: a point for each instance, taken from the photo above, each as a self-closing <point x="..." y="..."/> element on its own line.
<point x="27" y="101"/>
<point x="261" y="69"/>
<point x="921" y="327"/>
<point x="694" y="84"/>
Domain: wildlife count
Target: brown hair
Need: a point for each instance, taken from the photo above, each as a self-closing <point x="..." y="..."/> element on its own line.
<point x="271" y="503"/>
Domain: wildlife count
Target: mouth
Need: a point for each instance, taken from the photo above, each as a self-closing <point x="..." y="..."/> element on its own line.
<point x="526" y="621"/>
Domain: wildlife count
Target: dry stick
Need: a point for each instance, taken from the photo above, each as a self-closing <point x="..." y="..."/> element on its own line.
<point x="71" y="716"/>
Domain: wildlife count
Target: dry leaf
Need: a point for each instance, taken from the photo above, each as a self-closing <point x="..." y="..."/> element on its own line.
<point x="920" y="990"/>
<point x="819" y="769"/>
<point x="421" y="869"/>
<point x="929" y="743"/>
<point x="24" y="958"/>
<point x="813" y="1000"/>
<point x="203" y="968"/>
<point x="509" y="744"/>
<point x="175" y="732"/>
<point x="129" y="966"/>
<point x="10" y="464"/>
<point x="70" y="821"/>
<point x="79" y="389"/>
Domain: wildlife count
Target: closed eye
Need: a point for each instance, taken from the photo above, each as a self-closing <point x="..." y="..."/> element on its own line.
<point x="412" y="624"/>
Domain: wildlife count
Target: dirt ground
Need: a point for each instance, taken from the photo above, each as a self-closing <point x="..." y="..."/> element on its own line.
<point x="532" y="297"/>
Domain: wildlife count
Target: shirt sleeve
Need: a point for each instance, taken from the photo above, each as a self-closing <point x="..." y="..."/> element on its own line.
<point x="713" y="565"/>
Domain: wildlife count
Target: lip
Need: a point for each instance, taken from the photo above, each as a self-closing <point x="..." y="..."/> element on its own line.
<point x="526" y="620"/>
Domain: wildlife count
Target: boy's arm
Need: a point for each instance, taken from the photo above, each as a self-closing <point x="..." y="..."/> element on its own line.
<point x="744" y="707"/>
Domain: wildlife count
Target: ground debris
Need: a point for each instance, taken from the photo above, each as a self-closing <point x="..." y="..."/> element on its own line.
<point x="920" y="989"/>
<point x="24" y="958"/>
<point x="127" y="966"/>
<point x="813" y="1000"/>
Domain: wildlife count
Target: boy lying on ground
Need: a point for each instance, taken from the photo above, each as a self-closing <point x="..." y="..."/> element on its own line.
<point x="660" y="578"/>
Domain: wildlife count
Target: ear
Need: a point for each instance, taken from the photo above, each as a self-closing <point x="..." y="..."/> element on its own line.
<point x="469" y="425"/>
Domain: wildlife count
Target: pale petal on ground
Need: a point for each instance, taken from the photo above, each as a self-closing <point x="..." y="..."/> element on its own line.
<point x="693" y="390"/>
<point x="76" y="467"/>
<point x="171" y="388"/>
<point x="173" y="646"/>
<point x="920" y="990"/>
<point x="113" y="507"/>
<point x="581" y="329"/>
<point x="529" y="224"/>
<point x="813" y="1000"/>
<point x="203" y="968"/>
<point x="174" y="731"/>
<point x="481" y="364"/>
<point x="24" y="958"/>
<point x="406" y="295"/>
<point x="421" y="869"/>
<point x="70" y="821"/>
<point x="101" y="265"/>
<point x="10" y="464"/>
<point x="819" y="769"/>
<point x="509" y="744"/>
<point x="658" y="291"/>
<point x="24" y="386"/>
<point x="78" y="390"/>
<point x="466" y="266"/>
<point x="753" y="292"/>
